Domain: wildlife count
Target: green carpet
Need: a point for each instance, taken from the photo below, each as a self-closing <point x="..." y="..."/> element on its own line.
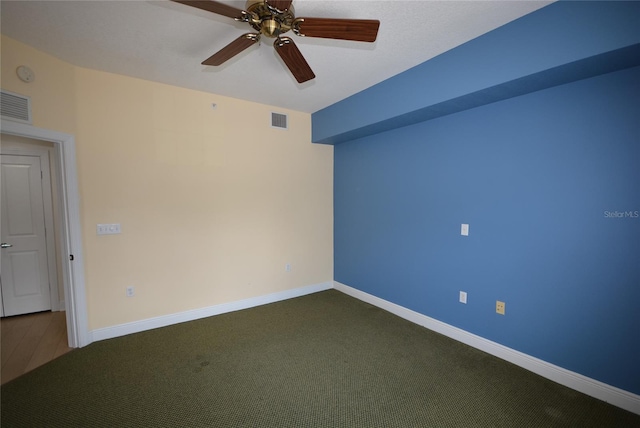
<point x="323" y="360"/>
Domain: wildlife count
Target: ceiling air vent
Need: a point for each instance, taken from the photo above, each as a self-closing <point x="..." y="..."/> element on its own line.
<point x="279" y="120"/>
<point x="15" y="107"/>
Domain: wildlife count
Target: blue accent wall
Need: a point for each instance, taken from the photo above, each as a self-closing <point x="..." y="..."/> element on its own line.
<point x="549" y="182"/>
<point x="533" y="176"/>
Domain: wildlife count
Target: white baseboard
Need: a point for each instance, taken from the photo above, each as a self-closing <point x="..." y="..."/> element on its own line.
<point x="166" y="320"/>
<point x="602" y="391"/>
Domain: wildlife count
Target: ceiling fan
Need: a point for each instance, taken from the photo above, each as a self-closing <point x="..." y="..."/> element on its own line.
<point x="272" y="18"/>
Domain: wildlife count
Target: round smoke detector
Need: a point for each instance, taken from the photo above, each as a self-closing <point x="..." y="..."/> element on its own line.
<point x="25" y="74"/>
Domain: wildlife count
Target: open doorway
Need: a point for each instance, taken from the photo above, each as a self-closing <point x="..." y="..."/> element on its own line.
<point x="70" y="243"/>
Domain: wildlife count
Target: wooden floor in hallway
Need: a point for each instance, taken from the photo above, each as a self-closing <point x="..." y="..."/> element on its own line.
<point x="29" y="341"/>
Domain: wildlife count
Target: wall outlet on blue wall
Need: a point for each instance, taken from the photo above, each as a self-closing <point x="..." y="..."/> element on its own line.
<point x="500" y="307"/>
<point x="463" y="297"/>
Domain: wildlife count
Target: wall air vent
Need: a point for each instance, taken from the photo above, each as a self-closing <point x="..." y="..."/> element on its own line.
<point x="279" y="120"/>
<point x="15" y="107"/>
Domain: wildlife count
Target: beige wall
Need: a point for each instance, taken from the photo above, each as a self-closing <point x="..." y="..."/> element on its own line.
<point x="212" y="202"/>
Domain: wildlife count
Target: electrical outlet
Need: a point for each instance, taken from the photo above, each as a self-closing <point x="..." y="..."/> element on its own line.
<point x="500" y="307"/>
<point x="463" y="297"/>
<point x="287" y="267"/>
<point x="131" y="291"/>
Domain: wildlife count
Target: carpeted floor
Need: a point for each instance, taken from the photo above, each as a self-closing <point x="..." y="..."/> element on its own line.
<point x="323" y="360"/>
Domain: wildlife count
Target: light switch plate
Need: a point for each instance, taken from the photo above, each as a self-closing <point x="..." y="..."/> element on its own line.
<point x="463" y="297"/>
<point x="464" y="229"/>
<point x="108" y="229"/>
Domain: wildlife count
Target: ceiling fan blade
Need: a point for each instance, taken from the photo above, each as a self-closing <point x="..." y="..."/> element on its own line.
<point x="293" y="58"/>
<point x="216" y="7"/>
<point x="360" y="30"/>
<point x="232" y="49"/>
<point x="280" y="5"/>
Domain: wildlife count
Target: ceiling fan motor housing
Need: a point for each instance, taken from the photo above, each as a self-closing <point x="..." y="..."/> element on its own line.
<point x="269" y="21"/>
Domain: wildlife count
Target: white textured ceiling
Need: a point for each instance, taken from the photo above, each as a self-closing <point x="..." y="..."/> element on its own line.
<point x="166" y="42"/>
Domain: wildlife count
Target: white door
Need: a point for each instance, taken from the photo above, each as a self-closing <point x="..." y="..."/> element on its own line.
<point x="24" y="274"/>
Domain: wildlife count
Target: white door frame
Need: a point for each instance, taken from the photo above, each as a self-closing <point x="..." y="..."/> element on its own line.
<point x="71" y="231"/>
<point x="43" y="154"/>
